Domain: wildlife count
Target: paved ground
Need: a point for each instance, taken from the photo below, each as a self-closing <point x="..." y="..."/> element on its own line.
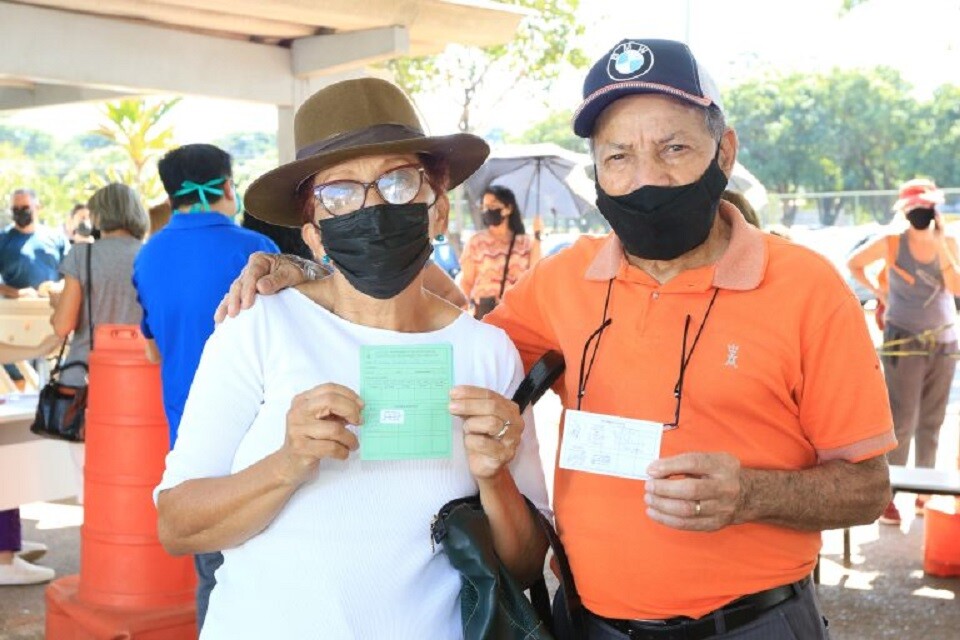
<point x="884" y="594"/>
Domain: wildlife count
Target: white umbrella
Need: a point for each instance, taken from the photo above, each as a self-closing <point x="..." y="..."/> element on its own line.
<point x="546" y="179"/>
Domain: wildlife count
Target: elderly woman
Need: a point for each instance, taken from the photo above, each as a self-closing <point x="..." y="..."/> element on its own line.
<point x="117" y="212"/>
<point x="320" y="540"/>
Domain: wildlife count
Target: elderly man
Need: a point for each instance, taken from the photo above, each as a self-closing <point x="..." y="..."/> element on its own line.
<point x="30" y="253"/>
<point x="750" y="353"/>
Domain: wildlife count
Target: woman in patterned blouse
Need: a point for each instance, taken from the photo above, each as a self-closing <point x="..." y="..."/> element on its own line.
<point x="487" y="272"/>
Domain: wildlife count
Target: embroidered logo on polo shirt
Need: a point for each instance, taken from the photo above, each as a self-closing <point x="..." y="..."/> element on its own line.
<point x="732" y="351"/>
<point x="629" y="60"/>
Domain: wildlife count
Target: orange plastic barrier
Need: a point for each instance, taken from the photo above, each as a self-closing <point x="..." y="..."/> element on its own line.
<point x="941" y="537"/>
<point x="128" y="587"/>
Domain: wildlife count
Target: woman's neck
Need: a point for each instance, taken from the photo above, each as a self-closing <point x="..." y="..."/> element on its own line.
<point x="116" y="233"/>
<point x="408" y="312"/>
<point x="501" y="231"/>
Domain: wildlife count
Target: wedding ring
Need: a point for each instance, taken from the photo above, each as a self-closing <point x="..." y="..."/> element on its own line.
<point x="696" y="508"/>
<point x="502" y="432"/>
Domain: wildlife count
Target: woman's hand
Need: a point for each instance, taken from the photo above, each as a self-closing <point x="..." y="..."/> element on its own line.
<point x="265" y="274"/>
<point x="492" y="428"/>
<point x="317" y="429"/>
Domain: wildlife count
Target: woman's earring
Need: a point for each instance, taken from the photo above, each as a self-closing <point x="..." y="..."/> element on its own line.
<point x="439" y="238"/>
<point x="325" y="259"/>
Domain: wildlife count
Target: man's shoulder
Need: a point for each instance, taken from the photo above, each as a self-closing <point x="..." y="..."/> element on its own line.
<point x="801" y="268"/>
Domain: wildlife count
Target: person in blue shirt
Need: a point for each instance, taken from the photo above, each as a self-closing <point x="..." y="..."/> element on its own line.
<point x="30" y="253"/>
<point x="182" y="273"/>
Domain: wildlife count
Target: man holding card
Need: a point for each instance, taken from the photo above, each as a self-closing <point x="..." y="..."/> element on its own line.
<point x="724" y="403"/>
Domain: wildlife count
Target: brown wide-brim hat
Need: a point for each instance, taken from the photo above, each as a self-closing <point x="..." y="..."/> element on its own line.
<point x="349" y="120"/>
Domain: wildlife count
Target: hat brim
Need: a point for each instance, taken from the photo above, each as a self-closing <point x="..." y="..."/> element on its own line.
<point x="589" y="110"/>
<point x="273" y="196"/>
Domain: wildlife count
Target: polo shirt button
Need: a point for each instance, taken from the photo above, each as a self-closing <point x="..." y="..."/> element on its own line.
<point x="655" y="295"/>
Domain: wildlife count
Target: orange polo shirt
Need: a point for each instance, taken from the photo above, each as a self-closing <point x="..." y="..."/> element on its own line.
<point x="784" y="376"/>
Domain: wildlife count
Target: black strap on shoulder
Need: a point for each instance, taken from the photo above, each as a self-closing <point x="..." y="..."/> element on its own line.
<point x="506" y="265"/>
<point x="89" y="293"/>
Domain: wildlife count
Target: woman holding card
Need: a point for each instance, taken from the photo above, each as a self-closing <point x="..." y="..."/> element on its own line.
<point x="325" y="526"/>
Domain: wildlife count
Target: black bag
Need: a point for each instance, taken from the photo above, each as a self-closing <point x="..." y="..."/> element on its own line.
<point x="61" y="408"/>
<point x="492" y="605"/>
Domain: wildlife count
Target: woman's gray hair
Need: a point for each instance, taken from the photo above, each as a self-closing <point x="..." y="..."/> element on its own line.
<point x="117" y="206"/>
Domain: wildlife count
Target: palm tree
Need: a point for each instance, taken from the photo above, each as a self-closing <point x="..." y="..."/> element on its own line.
<point x="132" y="126"/>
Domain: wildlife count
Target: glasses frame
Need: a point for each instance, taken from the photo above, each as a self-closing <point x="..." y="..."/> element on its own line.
<point x="318" y="189"/>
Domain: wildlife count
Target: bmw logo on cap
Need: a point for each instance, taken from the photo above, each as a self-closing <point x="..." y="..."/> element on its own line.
<point x="629" y="60"/>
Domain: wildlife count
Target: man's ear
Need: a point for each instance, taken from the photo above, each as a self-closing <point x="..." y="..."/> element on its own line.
<point x="230" y="189"/>
<point x="311" y="237"/>
<point x="729" y="144"/>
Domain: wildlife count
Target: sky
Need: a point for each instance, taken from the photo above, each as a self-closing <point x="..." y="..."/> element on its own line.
<point x="734" y="39"/>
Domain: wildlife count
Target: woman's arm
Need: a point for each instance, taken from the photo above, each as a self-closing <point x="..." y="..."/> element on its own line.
<point x="865" y="256"/>
<point x="517" y="538"/>
<point x="66" y="315"/>
<point x="947" y="253"/>
<point x="211" y="514"/>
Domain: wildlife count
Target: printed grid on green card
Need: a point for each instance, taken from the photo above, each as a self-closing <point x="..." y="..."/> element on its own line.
<point x="406" y="395"/>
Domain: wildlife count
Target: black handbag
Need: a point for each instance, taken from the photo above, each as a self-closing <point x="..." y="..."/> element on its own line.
<point x="61" y="408"/>
<point x="492" y="605"/>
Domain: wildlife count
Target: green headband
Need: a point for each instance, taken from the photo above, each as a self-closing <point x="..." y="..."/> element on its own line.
<point x="189" y="186"/>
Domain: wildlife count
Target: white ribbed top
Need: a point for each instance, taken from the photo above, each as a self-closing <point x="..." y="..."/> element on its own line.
<point x="349" y="555"/>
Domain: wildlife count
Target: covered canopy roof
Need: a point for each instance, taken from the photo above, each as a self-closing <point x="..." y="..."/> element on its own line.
<point x="56" y="51"/>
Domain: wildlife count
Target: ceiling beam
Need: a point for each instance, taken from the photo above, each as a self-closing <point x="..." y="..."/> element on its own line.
<point x="45" y="95"/>
<point x="115" y="55"/>
<point x="340" y="51"/>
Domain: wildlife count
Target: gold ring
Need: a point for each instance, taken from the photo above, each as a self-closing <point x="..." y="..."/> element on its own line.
<point x="502" y="432"/>
<point x="696" y="508"/>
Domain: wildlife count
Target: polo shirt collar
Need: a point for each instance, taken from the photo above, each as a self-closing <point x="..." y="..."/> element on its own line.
<point x="740" y="268"/>
<point x="199" y="219"/>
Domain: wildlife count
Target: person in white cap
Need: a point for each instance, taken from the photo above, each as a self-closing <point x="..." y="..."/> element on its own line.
<point x="746" y="354"/>
<point x="920" y="278"/>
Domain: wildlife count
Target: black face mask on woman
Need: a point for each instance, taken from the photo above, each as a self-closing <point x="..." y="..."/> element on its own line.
<point x="663" y="223"/>
<point x="492" y="217"/>
<point x="920" y="218"/>
<point x="379" y="249"/>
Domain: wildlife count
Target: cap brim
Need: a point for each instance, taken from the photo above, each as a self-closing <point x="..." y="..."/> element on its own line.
<point x="273" y="196"/>
<point x="594" y="104"/>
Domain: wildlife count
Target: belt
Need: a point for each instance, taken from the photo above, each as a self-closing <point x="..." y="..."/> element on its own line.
<point x="738" y="613"/>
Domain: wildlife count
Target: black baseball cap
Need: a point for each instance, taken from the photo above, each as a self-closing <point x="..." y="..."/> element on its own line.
<point x="643" y="66"/>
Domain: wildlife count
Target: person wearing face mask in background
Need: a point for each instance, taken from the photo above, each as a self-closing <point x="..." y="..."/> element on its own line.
<point x="29" y="251"/>
<point x="747" y="354"/>
<point x="920" y="278"/>
<point x="317" y="541"/>
<point x="78" y="227"/>
<point x="180" y="275"/>
<point x="496" y="256"/>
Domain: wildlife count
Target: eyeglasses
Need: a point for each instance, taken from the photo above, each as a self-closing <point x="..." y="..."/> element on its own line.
<point x="399" y="185"/>
<point x="585" y="369"/>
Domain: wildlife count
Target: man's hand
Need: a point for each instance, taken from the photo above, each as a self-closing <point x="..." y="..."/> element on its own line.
<point x="695" y="491"/>
<point x="265" y="274"/>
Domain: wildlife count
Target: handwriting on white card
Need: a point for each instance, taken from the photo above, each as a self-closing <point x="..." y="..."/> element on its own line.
<point x="609" y="445"/>
<point x="392" y="416"/>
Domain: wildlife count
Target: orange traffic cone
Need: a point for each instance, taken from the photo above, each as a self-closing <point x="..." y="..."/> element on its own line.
<point x="128" y="587"/>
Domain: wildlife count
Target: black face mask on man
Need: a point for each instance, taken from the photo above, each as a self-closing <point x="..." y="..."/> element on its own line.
<point x="920" y="218"/>
<point x="492" y="217"/>
<point x="22" y="216"/>
<point x="379" y="249"/>
<point x="84" y="228"/>
<point x="663" y="223"/>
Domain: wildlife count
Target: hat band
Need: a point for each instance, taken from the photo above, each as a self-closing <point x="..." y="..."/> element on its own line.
<point x="370" y="135"/>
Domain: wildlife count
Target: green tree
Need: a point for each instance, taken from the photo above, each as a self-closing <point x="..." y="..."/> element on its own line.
<point x="135" y="127"/>
<point x="540" y="51"/>
<point x="556" y="128"/>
